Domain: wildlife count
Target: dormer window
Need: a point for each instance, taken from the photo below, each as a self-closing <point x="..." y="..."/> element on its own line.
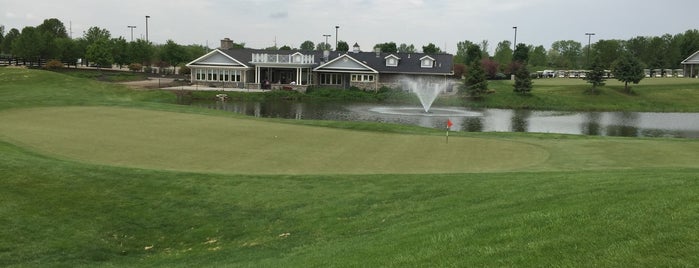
<point x="392" y="60"/>
<point x="426" y="62"/>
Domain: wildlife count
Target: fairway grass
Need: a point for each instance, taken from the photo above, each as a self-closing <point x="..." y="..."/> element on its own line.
<point x="199" y="143"/>
<point x="188" y="142"/>
<point x="97" y="175"/>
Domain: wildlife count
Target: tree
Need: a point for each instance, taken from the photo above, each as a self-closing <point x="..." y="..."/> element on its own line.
<point x="431" y="49"/>
<point x="475" y="83"/>
<point x="484" y="48"/>
<point x="100" y="53"/>
<point x="405" y="48"/>
<point x="461" y="50"/>
<point x="120" y="51"/>
<point x="596" y="74"/>
<point x="570" y="53"/>
<point x="523" y="81"/>
<point x="141" y="51"/>
<point x="473" y="53"/>
<point x="285" y="47"/>
<point x="628" y="69"/>
<point x="490" y="67"/>
<point x="342" y="46"/>
<point x="323" y="46"/>
<point x="503" y="53"/>
<point x="2" y="36"/>
<point x="7" y="41"/>
<point x="388" y="47"/>
<point x="521" y="53"/>
<point x="607" y="51"/>
<point x="54" y="28"/>
<point x="68" y="50"/>
<point x="307" y="45"/>
<point x="173" y="53"/>
<point x="95" y="33"/>
<point x="537" y="57"/>
<point x="29" y="45"/>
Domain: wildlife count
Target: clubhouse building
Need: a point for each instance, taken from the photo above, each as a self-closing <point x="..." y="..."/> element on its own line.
<point x="296" y="69"/>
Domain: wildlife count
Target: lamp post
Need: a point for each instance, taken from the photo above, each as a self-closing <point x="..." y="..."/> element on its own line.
<point x="514" y="46"/>
<point x="589" y="40"/>
<point x="147" y="17"/>
<point x="326" y="41"/>
<point x="337" y="27"/>
<point x="132" y="27"/>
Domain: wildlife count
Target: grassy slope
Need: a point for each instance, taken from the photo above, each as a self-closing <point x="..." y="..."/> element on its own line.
<point x="65" y="213"/>
<point x="656" y="95"/>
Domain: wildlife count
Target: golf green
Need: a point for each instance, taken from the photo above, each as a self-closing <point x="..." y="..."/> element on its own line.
<point x="190" y="142"/>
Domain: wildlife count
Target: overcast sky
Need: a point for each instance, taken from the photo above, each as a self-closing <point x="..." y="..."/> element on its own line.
<point x="366" y="22"/>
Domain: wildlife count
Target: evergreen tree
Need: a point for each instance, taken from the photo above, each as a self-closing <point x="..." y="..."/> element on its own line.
<point x="596" y="75"/>
<point x="523" y="81"/>
<point x="475" y="83"/>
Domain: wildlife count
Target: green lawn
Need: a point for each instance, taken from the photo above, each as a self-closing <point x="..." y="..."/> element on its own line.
<point x="651" y="95"/>
<point x="95" y="174"/>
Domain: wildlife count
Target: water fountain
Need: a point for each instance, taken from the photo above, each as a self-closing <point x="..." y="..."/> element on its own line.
<point x="427" y="91"/>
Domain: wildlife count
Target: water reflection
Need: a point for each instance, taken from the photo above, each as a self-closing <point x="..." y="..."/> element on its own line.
<point x="591" y="124"/>
<point x="520" y="120"/>
<point x="473" y="124"/>
<point x="631" y="124"/>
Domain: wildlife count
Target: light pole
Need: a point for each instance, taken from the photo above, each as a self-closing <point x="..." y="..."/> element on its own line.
<point x="337" y="27"/>
<point x="514" y="46"/>
<point x="147" y="17"/>
<point x="326" y="40"/>
<point x="589" y="39"/>
<point x="132" y="27"/>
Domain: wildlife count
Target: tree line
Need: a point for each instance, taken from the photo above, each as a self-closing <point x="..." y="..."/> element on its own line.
<point x="653" y="52"/>
<point x="96" y="47"/>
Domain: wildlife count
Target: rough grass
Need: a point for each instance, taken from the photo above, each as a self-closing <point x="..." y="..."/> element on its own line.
<point x="593" y="201"/>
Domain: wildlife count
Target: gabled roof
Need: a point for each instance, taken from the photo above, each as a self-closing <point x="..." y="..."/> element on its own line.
<point x="409" y="63"/>
<point x="693" y="59"/>
<point x="218" y="58"/>
<point x="391" y="56"/>
<point x="345" y="63"/>
<point x="427" y="57"/>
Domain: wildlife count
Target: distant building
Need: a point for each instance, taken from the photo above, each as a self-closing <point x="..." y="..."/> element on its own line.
<point x="691" y="65"/>
<point x="296" y="69"/>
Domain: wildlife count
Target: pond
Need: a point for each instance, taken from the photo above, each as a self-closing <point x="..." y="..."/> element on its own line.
<point x="629" y="124"/>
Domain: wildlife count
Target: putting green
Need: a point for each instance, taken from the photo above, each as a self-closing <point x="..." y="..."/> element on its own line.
<point x="191" y="142"/>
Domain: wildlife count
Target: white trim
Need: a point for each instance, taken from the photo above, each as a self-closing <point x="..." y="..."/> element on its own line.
<point x="193" y="63"/>
<point x="690" y="60"/>
<point x="368" y="69"/>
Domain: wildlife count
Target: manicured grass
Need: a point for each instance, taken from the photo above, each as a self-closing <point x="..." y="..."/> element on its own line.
<point x="95" y="174"/>
<point x="59" y="213"/>
<point x="189" y="142"/>
<point x="651" y="95"/>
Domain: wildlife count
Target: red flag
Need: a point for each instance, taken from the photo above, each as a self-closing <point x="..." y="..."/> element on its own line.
<point x="449" y="123"/>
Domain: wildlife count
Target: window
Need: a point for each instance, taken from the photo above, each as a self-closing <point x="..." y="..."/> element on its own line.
<point x="330" y="79"/>
<point x="210" y="74"/>
<point x="362" y="78"/>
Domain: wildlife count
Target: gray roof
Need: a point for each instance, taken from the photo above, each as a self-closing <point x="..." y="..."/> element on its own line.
<point x="408" y="63"/>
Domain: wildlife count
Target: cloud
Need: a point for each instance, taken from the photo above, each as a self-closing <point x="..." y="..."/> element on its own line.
<point x="10" y="15"/>
<point x="279" y="15"/>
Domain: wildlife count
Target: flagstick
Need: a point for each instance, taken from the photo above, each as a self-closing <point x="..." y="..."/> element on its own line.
<point x="447" y="135"/>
